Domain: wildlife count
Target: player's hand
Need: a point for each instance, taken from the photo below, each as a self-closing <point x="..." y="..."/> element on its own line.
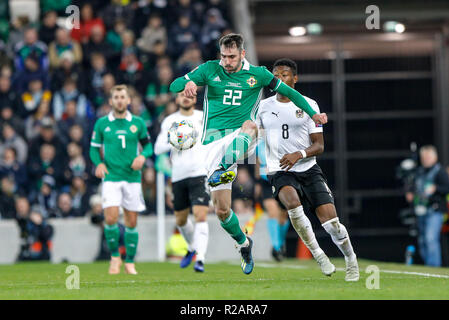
<point x="101" y="171"/>
<point x="289" y="160"/>
<point x="320" y="118"/>
<point x="138" y="163"/>
<point x="190" y="89"/>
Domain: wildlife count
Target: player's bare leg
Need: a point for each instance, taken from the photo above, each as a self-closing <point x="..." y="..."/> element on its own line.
<point x="131" y="240"/>
<point x="229" y="221"/>
<point x="200" y="236"/>
<point x="112" y="235"/>
<point x="290" y="199"/>
<point x="327" y="214"/>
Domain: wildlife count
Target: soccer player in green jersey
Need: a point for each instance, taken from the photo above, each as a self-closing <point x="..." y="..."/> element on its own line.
<point x="233" y="91"/>
<point x="119" y="134"/>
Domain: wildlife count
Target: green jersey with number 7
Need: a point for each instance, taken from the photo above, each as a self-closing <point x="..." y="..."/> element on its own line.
<point x="120" y="141"/>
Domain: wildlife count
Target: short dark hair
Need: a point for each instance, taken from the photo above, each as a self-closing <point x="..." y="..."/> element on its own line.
<point x="285" y="62"/>
<point x="232" y="40"/>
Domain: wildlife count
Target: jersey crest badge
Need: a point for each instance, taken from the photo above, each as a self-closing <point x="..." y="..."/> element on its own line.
<point x="133" y="129"/>
<point x="251" y="81"/>
<point x="107" y="129"/>
<point x="299" y="113"/>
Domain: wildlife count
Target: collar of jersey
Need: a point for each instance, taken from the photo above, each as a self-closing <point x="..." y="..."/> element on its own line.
<point x="128" y="117"/>
<point x="245" y="64"/>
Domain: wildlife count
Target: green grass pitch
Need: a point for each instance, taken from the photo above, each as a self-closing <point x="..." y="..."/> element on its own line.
<point x="289" y="280"/>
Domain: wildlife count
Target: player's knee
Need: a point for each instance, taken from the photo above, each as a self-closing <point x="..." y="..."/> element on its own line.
<point x="222" y="212"/>
<point x="181" y="220"/>
<point x="110" y="220"/>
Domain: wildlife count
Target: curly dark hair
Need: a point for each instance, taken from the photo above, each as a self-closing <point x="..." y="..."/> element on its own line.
<point x="285" y="62"/>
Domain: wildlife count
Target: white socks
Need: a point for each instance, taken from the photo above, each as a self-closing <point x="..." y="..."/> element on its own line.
<point x="340" y="237"/>
<point x="196" y="236"/>
<point x="200" y="239"/>
<point x="304" y="229"/>
<point x="187" y="232"/>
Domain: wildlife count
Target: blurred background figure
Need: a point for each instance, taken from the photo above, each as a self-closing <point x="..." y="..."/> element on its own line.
<point x="35" y="233"/>
<point x="429" y="199"/>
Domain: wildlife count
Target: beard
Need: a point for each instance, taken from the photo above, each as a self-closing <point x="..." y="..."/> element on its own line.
<point x="232" y="70"/>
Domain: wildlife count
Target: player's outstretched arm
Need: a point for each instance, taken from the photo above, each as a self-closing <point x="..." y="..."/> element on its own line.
<point x="317" y="147"/>
<point x="301" y="103"/>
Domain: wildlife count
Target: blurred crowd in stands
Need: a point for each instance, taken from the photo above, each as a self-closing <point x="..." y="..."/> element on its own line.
<point x="54" y="84"/>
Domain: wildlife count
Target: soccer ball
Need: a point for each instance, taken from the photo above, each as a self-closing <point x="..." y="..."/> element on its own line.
<point x="182" y="135"/>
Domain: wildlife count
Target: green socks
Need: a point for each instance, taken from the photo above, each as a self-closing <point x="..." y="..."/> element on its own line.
<point x="131" y="239"/>
<point x="112" y="235"/>
<point x="232" y="226"/>
<point x="236" y="150"/>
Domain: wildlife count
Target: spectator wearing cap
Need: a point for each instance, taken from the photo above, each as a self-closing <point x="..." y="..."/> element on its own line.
<point x="49" y="26"/>
<point x="47" y="136"/>
<point x="30" y="44"/>
<point x="31" y="72"/>
<point x="62" y="44"/>
<point x="65" y="209"/>
<point x="70" y="92"/>
<point x="45" y="197"/>
<point x="35" y="232"/>
<point x="87" y="24"/>
<point x="10" y="167"/>
<point x="182" y="34"/>
<point x="7" y="197"/>
<point x="10" y="139"/>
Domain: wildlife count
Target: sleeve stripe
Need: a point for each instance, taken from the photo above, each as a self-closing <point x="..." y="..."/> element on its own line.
<point x="94" y="144"/>
<point x="278" y="84"/>
<point x="187" y="77"/>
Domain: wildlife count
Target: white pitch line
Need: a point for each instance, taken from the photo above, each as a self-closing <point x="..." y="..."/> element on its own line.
<point x="413" y="273"/>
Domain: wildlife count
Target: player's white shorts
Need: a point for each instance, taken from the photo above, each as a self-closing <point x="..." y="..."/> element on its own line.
<point x="215" y="152"/>
<point x="127" y="195"/>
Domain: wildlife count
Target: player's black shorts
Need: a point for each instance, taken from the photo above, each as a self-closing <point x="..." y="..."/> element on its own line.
<point x="190" y="192"/>
<point x="311" y="186"/>
<point x="266" y="189"/>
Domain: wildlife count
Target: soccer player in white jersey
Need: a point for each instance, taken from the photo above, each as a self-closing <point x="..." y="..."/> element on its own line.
<point x="189" y="183"/>
<point x="293" y="141"/>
